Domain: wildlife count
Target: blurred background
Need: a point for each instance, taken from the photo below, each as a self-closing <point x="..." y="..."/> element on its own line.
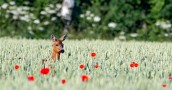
<point x="149" y="20"/>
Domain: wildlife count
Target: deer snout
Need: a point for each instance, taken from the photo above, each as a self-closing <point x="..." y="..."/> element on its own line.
<point x="62" y="51"/>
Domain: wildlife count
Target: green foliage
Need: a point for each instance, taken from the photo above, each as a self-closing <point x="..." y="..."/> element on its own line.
<point x="116" y="16"/>
<point x="156" y="7"/>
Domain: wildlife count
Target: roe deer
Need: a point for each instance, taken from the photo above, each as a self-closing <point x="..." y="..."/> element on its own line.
<point x="57" y="46"/>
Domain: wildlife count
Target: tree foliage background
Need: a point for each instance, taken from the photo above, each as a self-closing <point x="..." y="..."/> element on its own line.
<point x="94" y="19"/>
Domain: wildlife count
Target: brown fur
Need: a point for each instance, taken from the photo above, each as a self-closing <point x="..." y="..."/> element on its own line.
<point x="57" y="45"/>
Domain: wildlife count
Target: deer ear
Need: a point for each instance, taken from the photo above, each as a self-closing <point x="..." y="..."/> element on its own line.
<point x="53" y="37"/>
<point x="62" y="38"/>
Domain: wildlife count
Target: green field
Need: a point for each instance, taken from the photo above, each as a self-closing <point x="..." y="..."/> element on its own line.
<point x="113" y="57"/>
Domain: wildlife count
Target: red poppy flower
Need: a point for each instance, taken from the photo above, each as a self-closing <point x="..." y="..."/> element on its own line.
<point x="96" y="66"/>
<point x="136" y="64"/>
<point x="131" y="65"/>
<point x="81" y="66"/>
<point x="84" y="78"/>
<point x="164" y="85"/>
<point x="63" y="81"/>
<point x="170" y="77"/>
<point x="30" y="78"/>
<point x="93" y="54"/>
<point x="44" y="71"/>
<point x="16" y="67"/>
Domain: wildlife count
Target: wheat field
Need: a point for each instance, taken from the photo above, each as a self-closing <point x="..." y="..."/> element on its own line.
<point x="113" y="58"/>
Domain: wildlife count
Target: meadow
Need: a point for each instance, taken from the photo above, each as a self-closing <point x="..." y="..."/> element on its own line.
<point x="113" y="57"/>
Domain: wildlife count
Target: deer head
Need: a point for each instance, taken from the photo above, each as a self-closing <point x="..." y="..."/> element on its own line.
<point x="57" y="46"/>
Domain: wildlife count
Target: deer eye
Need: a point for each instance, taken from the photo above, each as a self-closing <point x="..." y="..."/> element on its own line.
<point x="57" y="45"/>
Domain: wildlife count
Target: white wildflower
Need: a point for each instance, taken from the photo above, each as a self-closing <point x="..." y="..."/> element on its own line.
<point x="94" y="25"/>
<point x="25" y="8"/>
<point x="40" y="28"/>
<point x="134" y="35"/>
<point x="166" y="26"/>
<point x="19" y="9"/>
<point x="53" y="18"/>
<point x="29" y="28"/>
<point x="82" y="15"/>
<point x="158" y="23"/>
<point x="122" y="33"/>
<point x="43" y="13"/>
<point x="122" y="37"/>
<point x="92" y="15"/>
<point x="97" y="19"/>
<point x="12" y="7"/>
<point x="23" y="12"/>
<point x="88" y="18"/>
<point x="58" y="6"/>
<point x="51" y="11"/>
<point x="163" y="24"/>
<point x="166" y="35"/>
<point x="112" y="25"/>
<point x="88" y="13"/>
<point x="51" y="6"/>
<point x="4" y="6"/>
<point x="12" y="3"/>
<point x="31" y="32"/>
<point x="15" y="17"/>
<point x="36" y="21"/>
<point x="91" y="32"/>
<point x="14" y="12"/>
<point x="8" y="11"/>
<point x="32" y="16"/>
<point x="6" y="16"/>
<point x="46" y="22"/>
<point x="46" y="8"/>
<point x="22" y="18"/>
<point x="25" y="18"/>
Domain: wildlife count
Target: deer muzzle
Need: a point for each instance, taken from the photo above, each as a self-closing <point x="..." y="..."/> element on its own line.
<point x="62" y="51"/>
